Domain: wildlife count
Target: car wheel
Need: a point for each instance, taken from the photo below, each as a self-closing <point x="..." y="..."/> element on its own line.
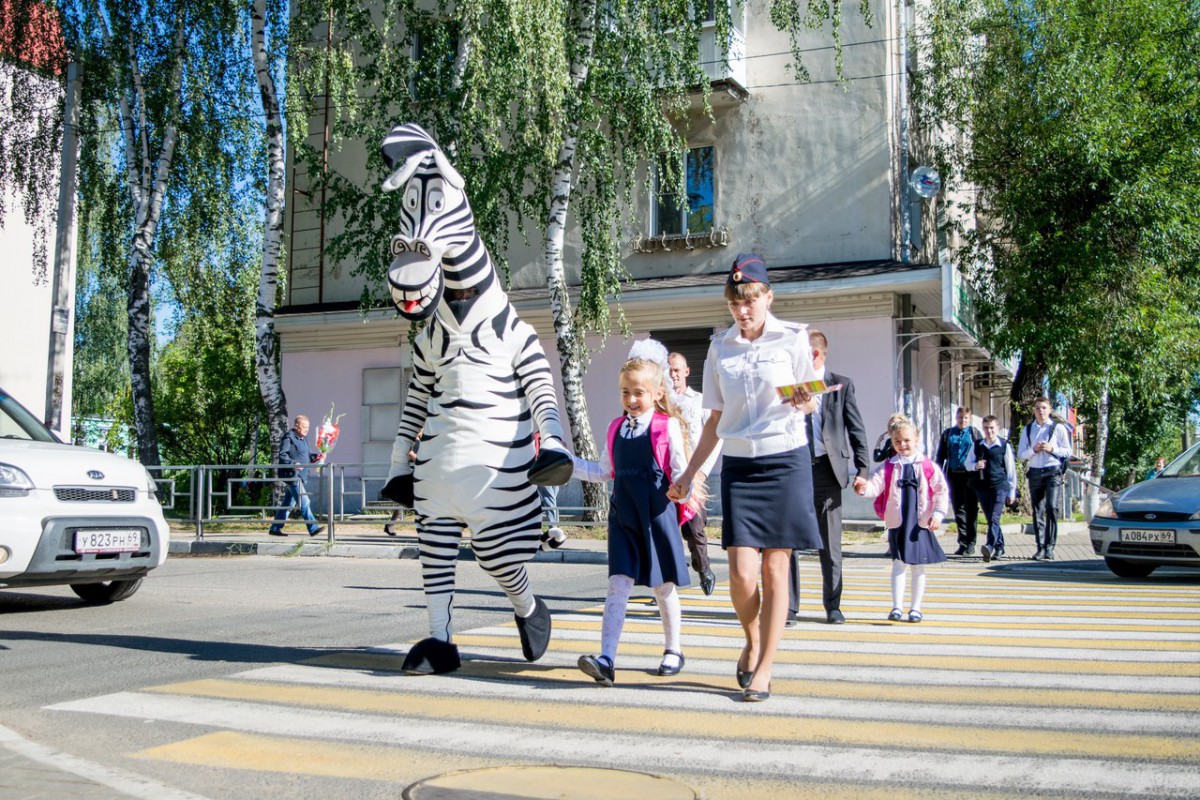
<point x="99" y="594"/>
<point x="1129" y="569"/>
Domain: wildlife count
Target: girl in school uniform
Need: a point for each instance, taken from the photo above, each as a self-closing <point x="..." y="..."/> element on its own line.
<point x="915" y="501"/>
<point x="645" y="448"/>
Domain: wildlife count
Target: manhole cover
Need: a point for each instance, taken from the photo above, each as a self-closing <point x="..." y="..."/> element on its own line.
<point x="546" y="783"/>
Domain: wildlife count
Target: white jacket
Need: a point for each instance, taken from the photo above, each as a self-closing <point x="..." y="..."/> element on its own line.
<point x="933" y="496"/>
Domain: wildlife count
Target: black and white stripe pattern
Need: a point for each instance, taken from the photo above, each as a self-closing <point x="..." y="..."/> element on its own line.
<point x="480" y="386"/>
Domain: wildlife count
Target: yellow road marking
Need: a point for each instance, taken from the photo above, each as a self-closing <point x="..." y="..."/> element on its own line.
<point x="996" y="663"/>
<point x="671" y="722"/>
<point x="405" y="765"/>
<point x="919" y="693"/>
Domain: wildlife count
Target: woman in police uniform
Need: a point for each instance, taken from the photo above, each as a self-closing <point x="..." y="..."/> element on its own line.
<point x="766" y="480"/>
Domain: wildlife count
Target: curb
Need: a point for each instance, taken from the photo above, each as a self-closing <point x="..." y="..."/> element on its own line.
<point x="195" y="547"/>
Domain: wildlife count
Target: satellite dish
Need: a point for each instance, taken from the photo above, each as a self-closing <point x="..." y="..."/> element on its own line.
<point x="925" y="181"/>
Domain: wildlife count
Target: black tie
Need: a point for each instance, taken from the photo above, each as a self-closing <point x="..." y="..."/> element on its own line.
<point x="812" y="445"/>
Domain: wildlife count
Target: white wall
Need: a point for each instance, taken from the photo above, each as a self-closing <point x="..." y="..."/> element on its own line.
<point x="25" y="321"/>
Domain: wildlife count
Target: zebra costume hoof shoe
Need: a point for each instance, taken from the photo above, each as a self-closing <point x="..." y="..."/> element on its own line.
<point x="551" y="468"/>
<point x="535" y="631"/>
<point x="431" y="657"/>
<point x="553" y="538"/>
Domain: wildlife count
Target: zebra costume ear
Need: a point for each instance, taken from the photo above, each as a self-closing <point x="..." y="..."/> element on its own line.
<point x="409" y="146"/>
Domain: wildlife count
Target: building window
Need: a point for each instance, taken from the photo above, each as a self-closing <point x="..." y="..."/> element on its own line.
<point x="435" y="50"/>
<point x="693" y="213"/>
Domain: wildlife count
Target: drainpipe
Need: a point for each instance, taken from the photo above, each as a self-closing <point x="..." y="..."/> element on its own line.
<point x="905" y="189"/>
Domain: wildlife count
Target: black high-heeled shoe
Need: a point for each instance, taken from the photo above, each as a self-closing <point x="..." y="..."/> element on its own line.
<point x="751" y="696"/>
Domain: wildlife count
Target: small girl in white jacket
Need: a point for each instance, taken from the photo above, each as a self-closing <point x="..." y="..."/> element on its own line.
<point x="915" y="501"/>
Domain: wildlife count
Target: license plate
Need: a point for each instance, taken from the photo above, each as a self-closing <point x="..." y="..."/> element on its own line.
<point x="1147" y="537"/>
<point x="109" y="540"/>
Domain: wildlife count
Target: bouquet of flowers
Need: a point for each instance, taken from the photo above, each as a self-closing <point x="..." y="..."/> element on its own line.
<point x="327" y="433"/>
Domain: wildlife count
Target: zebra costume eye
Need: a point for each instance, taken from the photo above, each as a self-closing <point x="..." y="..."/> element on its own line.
<point x="412" y="198"/>
<point x="437" y="201"/>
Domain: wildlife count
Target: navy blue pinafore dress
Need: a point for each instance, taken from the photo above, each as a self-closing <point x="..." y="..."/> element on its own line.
<point x="643" y="527"/>
<point x="911" y="543"/>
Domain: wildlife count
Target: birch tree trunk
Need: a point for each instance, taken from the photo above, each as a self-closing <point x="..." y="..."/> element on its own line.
<point x="266" y="352"/>
<point x="1101" y="437"/>
<point x="572" y="349"/>
<point x="146" y="178"/>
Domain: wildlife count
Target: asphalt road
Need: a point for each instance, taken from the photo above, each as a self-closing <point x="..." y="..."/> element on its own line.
<point x="268" y="677"/>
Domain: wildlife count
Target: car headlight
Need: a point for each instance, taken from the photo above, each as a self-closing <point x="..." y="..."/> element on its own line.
<point x="1106" y="509"/>
<point x="13" y="481"/>
<point x="151" y="486"/>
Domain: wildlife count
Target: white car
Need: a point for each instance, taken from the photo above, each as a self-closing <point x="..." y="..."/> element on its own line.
<point x="73" y="515"/>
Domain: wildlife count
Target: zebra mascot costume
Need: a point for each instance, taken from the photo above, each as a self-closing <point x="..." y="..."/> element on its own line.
<point x="480" y="388"/>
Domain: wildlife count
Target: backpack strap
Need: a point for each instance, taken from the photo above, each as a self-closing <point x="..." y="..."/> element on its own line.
<point x="613" y="427"/>
<point x="660" y="442"/>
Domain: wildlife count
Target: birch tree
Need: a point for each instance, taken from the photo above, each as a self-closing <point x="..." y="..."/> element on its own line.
<point x="266" y="342"/>
<point x="159" y="74"/>
<point x="553" y="109"/>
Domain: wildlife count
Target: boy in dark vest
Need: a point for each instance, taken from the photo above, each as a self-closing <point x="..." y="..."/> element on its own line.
<point x="995" y="483"/>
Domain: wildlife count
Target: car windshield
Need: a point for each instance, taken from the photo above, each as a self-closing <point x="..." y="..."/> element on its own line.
<point x="1186" y="466"/>
<point x="17" y="423"/>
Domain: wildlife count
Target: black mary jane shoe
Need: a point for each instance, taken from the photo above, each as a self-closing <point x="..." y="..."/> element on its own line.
<point x="663" y="669"/>
<point x="751" y="696"/>
<point x="599" y="669"/>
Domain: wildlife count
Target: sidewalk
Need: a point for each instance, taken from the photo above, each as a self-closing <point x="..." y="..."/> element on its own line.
<point x="357" y="541"/>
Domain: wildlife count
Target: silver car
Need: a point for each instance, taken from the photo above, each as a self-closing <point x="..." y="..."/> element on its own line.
<point x="73" y="515"/>
<point x="1152" y="524"/>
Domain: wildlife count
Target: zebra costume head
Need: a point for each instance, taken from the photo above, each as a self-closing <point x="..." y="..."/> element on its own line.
<point x="438" y="253"/>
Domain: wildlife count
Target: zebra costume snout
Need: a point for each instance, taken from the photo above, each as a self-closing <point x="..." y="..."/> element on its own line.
<point x="415" y="277"/>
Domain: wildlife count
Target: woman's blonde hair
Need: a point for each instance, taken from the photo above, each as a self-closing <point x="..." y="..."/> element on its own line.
<point x="746" y="291"/>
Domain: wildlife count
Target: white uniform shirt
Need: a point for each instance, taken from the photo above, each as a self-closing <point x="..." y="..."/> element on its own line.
<point x="691" y="405"/>
<point x="740" y="377"/>
<point x="1010" y="467"/>
<point x="1061" y="444"/>
<point x="602" y="470"/>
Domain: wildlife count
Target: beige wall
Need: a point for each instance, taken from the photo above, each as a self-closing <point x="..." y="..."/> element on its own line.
<point x="804" y="172"/>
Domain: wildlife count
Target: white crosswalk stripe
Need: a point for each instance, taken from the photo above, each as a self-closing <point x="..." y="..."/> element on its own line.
<point x="1056" y="697"/>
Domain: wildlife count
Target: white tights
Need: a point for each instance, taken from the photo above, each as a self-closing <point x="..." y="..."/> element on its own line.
<point x="619" y="589"/>
<point x="918" y="584"/>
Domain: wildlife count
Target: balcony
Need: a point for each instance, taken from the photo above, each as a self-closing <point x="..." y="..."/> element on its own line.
<point x="724" y="66"/>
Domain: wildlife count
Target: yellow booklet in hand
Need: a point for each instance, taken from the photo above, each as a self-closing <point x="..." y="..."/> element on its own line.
<point x="812" y="387"/>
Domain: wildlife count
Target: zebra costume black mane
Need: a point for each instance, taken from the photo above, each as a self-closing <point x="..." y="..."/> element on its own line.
<point x="480" y="389"/>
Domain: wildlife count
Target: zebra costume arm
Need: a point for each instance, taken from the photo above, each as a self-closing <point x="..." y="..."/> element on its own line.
<point x="533" y="373"/>
<point x="416" y="409"/>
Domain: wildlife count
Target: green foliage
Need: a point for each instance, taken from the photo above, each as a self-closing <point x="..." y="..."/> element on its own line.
<point x="500" y="98"/>
<point x="1082" y="136"/>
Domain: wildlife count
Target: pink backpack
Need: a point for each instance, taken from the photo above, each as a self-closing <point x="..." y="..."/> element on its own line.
<point x="660" y="443"/>
<point x="882" y="498"/>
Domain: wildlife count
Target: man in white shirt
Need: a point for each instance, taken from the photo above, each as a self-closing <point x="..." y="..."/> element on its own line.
<point x="1045" y="445"/>
<point x="690" y="403"/>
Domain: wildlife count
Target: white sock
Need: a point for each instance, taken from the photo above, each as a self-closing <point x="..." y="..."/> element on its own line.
<point x="918" y="586"/>
<point x="619" y="589"/>
<point x="438" y="606"/>
<point x="898" y="568"/>
<point x="668" y="610"/>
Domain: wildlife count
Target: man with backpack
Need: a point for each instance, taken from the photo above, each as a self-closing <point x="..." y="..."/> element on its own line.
<point x="1046" y="447"/>
<point x="955" y="455"/>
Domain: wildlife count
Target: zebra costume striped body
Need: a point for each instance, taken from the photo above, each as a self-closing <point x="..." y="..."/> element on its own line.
<point x="480" y="387"/>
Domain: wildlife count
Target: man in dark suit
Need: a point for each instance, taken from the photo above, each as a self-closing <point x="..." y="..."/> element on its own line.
<point x="835" y="420"/>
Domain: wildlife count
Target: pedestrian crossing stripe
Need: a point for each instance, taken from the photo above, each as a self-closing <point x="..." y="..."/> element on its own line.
<point x="566" y="713"/>
<point x="1078" y="703"/>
